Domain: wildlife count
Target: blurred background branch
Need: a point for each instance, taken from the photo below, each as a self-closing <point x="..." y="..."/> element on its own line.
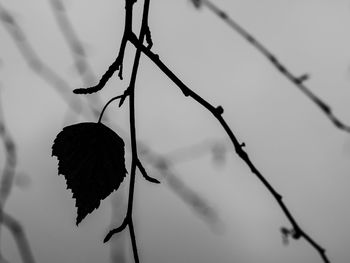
<point x="298" y="81"/>
<point x="6" y="185"/>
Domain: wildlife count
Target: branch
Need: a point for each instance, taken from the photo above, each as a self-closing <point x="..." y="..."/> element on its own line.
<point x="297" y="81"/>
<point x="118" y="63"/>
<point x="217" y="113"/>
<point x="181" y="189"/>
<point x="143" y="32"/>
<point x="31" y="58"/>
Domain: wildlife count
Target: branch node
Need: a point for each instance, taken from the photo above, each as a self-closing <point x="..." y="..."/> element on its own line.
<point x="219" y="110"/>
<point x="278" y="196"/>
<point x="301" y="79"/>
<point x="296" y="233"/>
<point x="123" y="97"/>
<point x="117" y="64"/>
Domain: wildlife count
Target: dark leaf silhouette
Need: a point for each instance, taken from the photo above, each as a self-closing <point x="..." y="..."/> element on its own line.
<point x="91" y="158"/>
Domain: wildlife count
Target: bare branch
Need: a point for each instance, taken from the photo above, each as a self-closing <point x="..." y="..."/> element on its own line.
<point x="237" y="145"/>
<point x="118" y="63"/>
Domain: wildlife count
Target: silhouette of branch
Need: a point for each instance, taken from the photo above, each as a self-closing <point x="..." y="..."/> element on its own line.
<point x="185" y="192"/>
<point x="180" y="188"/>
<point x="118" y="243"/>
<point x="217" y="113"/>
<point x="29" y="55"/>
<point x="80" y="60"/>
<point x="143" y="30"/>
<point x="297" y="81"/>
<point x="116" y="65"/>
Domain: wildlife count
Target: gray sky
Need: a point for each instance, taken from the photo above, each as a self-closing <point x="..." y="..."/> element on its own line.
<point x="288" y="138"/>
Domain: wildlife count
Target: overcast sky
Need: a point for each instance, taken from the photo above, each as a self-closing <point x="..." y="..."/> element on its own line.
<point x="288" y="138"/>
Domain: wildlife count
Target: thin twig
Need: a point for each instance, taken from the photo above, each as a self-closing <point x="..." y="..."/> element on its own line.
<point x="145" y="174"/>
<point x="298" y="81"/>
<point x="217" y="112"/>
<point x="116" y="65"/>
<point x="239" y="148"/>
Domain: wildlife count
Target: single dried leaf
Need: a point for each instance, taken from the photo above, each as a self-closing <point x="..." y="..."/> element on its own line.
<point x="91" y="158"/>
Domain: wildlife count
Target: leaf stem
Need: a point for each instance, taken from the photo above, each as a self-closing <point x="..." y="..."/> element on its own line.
<point x="104" y="108"/>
